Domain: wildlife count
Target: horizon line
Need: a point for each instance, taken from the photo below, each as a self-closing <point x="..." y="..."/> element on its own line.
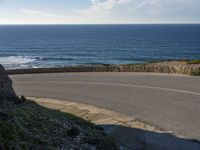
<point x="105" y="24"/>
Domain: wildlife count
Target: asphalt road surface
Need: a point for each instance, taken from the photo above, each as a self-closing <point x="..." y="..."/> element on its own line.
<point x="170" y="101"/>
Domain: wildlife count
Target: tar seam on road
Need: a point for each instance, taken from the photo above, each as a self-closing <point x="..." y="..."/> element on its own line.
<point x="115" y="84"/>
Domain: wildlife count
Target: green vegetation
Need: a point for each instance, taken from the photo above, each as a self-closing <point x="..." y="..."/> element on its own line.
<point x="30" y="126"/>
<point x="193" y="61"/>
<point x="196" y="73"/>
<point x="177" y="60"/>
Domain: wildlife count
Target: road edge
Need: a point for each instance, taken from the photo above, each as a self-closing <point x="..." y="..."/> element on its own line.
<point x="128" y="131"/>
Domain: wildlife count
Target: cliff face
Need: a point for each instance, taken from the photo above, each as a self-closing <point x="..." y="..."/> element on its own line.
<point x="6" y="90"/>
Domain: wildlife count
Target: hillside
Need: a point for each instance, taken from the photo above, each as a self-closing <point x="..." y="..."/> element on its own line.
<point x="27" y="125"/>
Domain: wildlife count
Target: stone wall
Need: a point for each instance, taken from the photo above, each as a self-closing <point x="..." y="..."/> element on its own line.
<point x="168" y="67"/>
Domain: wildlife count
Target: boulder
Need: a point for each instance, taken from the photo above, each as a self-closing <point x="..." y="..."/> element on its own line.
<point x="73" y="132"/>
<point x="7" y="92"/>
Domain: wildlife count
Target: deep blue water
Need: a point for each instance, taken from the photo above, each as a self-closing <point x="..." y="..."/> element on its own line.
<point x="62" y="45"/>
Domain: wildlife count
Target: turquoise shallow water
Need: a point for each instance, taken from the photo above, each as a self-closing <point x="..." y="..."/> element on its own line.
<point x="63" y="45"/>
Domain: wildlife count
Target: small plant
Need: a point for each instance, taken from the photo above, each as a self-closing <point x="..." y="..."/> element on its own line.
<point x="196" y="73"/>
<point x="193" y="62"/>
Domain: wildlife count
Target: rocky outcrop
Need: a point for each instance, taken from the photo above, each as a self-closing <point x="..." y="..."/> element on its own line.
<point x="6" y="89"/>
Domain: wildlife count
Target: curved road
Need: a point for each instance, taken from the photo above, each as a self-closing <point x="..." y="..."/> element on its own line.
<point x="171" y="101"/>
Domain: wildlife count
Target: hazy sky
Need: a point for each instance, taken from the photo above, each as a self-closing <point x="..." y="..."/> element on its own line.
<point x="98" y="11"/>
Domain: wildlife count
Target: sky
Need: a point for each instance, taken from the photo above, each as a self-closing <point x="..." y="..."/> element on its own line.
<point x="99" y="11"/>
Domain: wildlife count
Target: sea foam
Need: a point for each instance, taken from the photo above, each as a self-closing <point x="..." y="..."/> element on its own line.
<point x="17" y="61"/>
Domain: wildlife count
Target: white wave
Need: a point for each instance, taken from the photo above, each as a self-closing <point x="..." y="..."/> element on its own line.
<point x="11" y="62"/>
<point x="16" y="60"/>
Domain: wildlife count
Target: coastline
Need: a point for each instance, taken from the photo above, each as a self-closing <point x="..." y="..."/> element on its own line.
<point x="188" y="67"/>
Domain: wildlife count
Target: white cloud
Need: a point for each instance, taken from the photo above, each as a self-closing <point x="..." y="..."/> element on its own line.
<point x="162" y="5"/>
<point x="39" y="13"/>
<point x="112" y="11"/>
<point x="102" y="8"/>
<point x="132" y="11"/>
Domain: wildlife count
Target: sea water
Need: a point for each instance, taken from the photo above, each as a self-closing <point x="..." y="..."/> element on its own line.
<point x="36" y="46"/>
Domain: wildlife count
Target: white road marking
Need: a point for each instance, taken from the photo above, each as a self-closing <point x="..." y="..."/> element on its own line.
<point x="115" y="84"/>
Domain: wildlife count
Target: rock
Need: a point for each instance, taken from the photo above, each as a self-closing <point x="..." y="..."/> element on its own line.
<point x="91" y="140"/>
<point x="23" y="99"/>
<point x="73" y="132"/>
<point x="1" y="146"/>
<point x="6" y="89"/>
<point x="100" y="143"/>
<point x="3" y="116"/>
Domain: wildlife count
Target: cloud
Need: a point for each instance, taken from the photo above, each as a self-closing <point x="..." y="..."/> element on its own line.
<point x="107" y="7"/>
<point x="102" y="8"/>
<point x="118" y="11"/>
<point x="112" y="11"/>
<point x="132" y="11"/>
<point x="162" y="5"/>
<point x="39" y="13"/>
<point x="29" y="16"/>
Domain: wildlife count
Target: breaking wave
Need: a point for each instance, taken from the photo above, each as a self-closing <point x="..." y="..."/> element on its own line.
<point x="23" y="62"/>
<point x="17" y="61"/>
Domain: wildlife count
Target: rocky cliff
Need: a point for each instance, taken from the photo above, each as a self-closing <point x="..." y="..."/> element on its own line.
<point x="6" y="90"/>
<point x="27" y="125"/>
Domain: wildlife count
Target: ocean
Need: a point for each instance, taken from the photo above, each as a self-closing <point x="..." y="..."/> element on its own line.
<point x="37" y="46"/>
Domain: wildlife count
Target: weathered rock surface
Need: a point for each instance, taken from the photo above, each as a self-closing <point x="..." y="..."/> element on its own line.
<point x="6" y="89"/>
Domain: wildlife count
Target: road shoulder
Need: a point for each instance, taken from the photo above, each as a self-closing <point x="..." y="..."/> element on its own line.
<point x="130" y="132"/>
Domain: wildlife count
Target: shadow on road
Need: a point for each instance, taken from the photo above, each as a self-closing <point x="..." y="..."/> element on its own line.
<point x="137" y="139"/>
